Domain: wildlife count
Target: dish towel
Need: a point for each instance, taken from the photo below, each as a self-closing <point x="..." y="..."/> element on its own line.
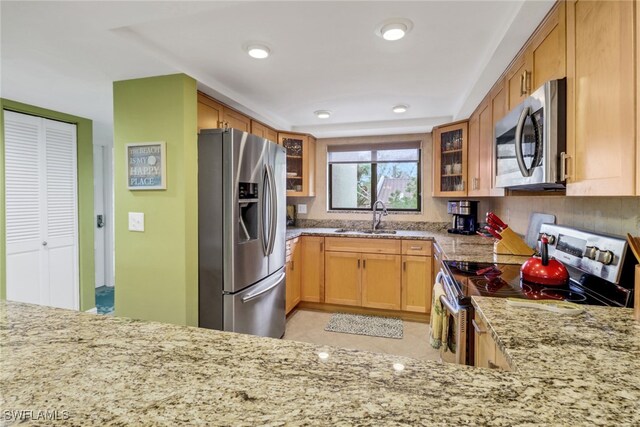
<point x="439" y="321"/>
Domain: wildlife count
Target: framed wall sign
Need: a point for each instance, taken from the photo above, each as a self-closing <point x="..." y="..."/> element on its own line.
<point x="146" y="166"/>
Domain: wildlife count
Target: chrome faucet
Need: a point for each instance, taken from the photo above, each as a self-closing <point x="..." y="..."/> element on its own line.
<point x="376" y="220"/>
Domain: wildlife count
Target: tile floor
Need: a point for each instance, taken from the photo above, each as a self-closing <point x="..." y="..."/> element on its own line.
<point x="308" y="326"/>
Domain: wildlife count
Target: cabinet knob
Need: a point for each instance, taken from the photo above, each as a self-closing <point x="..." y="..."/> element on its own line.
<point x="44" y="243"/>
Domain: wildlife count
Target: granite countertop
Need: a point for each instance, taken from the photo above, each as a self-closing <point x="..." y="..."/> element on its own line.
<point x="454" y="246"/>
<point x="107" y="370"/>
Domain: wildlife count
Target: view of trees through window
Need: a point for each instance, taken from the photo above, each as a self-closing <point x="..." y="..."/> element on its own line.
<point x="357" y="184"/>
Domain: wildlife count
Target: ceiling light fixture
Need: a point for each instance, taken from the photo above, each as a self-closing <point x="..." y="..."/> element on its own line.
<point x="400" y="108"/>
<point x="322" y="114"/>
<point x="258" y="51"/>
<point x="394" y="29"/>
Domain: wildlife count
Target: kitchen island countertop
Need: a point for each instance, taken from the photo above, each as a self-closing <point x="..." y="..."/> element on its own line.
<point x="108" y="370"/>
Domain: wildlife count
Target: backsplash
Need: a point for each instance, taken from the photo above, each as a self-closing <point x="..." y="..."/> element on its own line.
<point x="608" y="215"/>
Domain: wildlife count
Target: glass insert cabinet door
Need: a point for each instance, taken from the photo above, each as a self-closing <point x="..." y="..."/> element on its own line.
<point x="300" y="163"/>
<point x="295" y="152"/>
<point x="450" y="160"/>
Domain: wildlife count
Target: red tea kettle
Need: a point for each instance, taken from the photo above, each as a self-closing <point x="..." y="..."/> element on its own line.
<point x="544" y="271"/>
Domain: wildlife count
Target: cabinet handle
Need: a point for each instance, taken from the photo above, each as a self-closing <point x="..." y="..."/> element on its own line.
<point x="564" y="157"/>
<point x="293" y="265"/>
<point x="404" y="266"/>
<point x="364" y="263"/>
<point x="358" y="264"/>
<point x="416" y="248"/>
<point x="322" y="247"/>
<point x="522" y="84"/>
<point x="477" y="327"/>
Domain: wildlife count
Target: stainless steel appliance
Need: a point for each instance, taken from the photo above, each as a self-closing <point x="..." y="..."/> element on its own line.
<point x="241" y="231"/>
<point x="465" y="216"/>
<point x="601" y="273"/>
<point x="530" y="141"/>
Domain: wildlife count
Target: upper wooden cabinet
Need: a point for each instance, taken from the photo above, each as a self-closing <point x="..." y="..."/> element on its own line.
<point x="450" y="160"/>
<point x="541" y="59"/>
<point x="479" y="170"/>
<point x="233" y="119"/>
<point x="210" y="113"/>
<point x="601" y="113"/>
<point x="263" y="131"/>
<point x="301" y="160"/>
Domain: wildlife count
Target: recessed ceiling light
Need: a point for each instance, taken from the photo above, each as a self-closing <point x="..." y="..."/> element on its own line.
<point x="258" y="51"/>
<point x="322" y="114"/>
<point x="400" y="108"/>
<point x="394" y="29"/>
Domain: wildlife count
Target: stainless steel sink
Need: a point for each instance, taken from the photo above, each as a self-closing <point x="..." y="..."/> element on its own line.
<point x="367" y="231"/>
<point x="378" y="231"/>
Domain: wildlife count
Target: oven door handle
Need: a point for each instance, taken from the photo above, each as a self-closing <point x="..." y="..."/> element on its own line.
<point x="447" y="305"/>
<point x="519" y="136"/>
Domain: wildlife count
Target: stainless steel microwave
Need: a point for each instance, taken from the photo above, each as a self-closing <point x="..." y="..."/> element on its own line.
<point x="530" y="141"/>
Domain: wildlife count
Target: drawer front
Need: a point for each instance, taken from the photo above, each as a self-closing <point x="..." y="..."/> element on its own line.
<point x="417" y="247"/>
<point x="355" y="244"/>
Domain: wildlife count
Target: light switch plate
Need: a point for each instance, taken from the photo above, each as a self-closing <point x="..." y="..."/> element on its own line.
<point x="136" y="221"/>
<point x="302" y="208"/>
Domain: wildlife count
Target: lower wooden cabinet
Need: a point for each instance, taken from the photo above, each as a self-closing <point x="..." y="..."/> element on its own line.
<point x="293" y="269"/>
<point x="487" y="352"/>
<point x="312" y="274"/>
<point x="417" y="283"/>
<point x="343" y="282"/>
<point x="380" y="281"/>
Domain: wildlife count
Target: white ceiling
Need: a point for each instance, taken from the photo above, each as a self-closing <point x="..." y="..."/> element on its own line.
<point x="325" y="55"/>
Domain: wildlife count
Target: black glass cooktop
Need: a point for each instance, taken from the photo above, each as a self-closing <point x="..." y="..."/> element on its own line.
<point x="503" y="281"/>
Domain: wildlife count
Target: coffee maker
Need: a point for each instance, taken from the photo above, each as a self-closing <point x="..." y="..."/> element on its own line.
<point x="465" y="216"/>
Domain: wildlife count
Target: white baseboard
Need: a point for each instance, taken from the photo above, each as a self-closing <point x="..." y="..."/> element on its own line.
<point x="93" y="310"/>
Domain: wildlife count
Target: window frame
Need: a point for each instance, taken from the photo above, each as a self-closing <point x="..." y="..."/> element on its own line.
<point x="374" y="184"/>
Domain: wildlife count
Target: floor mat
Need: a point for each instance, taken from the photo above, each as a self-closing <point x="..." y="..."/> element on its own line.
<point x="359" y="324"/>
<point x="104" y="299"/>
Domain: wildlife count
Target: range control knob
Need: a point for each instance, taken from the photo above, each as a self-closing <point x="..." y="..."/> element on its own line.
<point x="605" y="257"/>
<point x="591" y="252"/>
<point x="551" y="238"/>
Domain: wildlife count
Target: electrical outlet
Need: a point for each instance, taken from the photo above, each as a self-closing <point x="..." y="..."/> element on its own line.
<point x="302" y="208"/>
<point x="136" y="221"/>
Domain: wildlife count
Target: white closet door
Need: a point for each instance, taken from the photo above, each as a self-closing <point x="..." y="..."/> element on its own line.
<point x="41" y="211"/>
<point x="24" y="201"/>
<point x="61" y="214"/>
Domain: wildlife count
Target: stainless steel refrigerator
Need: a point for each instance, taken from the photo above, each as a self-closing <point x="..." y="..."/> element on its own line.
<point x="241" y="232"/>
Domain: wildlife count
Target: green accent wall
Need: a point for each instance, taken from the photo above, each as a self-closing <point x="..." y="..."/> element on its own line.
<point x="85" y="197"/>
<point x="156" y="271"/>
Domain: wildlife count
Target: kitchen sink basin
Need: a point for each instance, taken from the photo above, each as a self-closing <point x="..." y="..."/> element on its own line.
<point x="367" y="231"/>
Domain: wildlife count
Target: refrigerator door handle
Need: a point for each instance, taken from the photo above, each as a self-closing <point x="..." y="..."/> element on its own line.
<point x="274" y="210"/>
<point x="264" y="291"/>
<point x="266" y="190"/>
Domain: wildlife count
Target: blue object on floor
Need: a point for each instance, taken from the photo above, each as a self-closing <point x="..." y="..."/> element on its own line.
<point x="104" y="299"/>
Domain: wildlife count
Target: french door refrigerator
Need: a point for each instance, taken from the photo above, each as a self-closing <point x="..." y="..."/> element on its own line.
<point x="241" y="232"/>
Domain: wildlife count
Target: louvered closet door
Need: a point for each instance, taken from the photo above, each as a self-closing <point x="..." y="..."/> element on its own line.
<point x="41" y="211"/>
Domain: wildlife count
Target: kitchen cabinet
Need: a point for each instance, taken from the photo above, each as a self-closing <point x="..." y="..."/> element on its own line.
<point x="301" y="151"/>
<point x="312" y="274"/>
<point x="601" y="113"/>
<point x="417" y="283"/>
<point x="293" y="269"/>
<point x="235" y="120"/>
<point x="487" y="352"/>
<point x="210" y="113"/>
<point x="480" y="146"/>
<point x="381" y="276"/>
<point x="214" y="115"/>
<point x="263" y="131"/>
<point x="343" y="278"/>
<point x="450" y="160"/>
<point x="543" y="58"/>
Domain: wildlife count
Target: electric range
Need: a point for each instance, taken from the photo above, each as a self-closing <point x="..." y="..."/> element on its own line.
<point x="601" y="270"/>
